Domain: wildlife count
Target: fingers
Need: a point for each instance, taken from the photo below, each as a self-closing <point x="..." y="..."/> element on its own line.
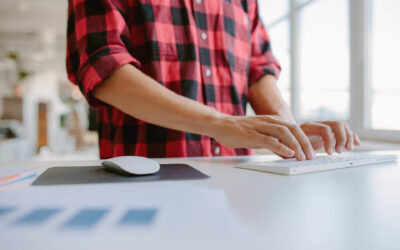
<point x="303" y="141"/>
<point x="283" y="138"/>
<point x="284" y="135"/>
<point x="345" y="137"/>
<point x="337" y="136"/>
<point x="306" y="150"/>
<point x="290" y="136"/>
<point x="357" y="141"/>
<point x="276" y="147"/>
<point x="350" y="138"/>
<point x="323" y="130"/>
<point x="340" y="135"/>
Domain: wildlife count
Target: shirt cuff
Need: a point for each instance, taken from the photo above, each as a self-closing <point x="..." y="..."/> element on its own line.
<point x="101" y="65"/>
<point x="258" y="72"/>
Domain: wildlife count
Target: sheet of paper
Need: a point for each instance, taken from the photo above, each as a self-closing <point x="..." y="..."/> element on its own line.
<point x="156" y="215"/>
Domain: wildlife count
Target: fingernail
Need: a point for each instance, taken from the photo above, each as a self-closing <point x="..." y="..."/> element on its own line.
<point x="340" y="149"/>
<point x="330" y="151"/>
<point x="289" y="153"/>
<point x="300" y="157"/>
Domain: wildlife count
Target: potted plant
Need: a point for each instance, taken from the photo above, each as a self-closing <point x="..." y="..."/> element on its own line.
<point x="18" y="88"/>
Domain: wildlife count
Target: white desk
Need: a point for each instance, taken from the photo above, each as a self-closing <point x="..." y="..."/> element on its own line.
<point x="357" y="208"/>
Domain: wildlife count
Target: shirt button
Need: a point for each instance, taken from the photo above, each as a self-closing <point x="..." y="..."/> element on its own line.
<point x="198" y="1"/>
<point x="217" y="150"/>
<point x="203" y="36"/>
<point x="208" y="72"/>
<point x="246" y="20"/>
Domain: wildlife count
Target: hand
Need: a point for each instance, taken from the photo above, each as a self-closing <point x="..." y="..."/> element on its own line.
<point x="266" y="131"/>
<point x="331" y="136"/>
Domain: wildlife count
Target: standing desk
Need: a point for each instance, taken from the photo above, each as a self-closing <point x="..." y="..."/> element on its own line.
<point x="354" y="208"/>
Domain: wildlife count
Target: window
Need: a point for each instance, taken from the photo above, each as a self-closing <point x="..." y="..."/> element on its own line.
<point x="385" y="62"/>
<point x="340" y="60"/>
<point x="272" y="11"/>
<point x="324" y="61"/>
<point x="310" y="39"/>
<point x="375" y="81"/>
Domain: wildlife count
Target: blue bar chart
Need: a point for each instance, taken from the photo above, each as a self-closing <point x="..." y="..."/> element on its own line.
<point x="81" y="219"/>
<point x="37" y="216"/>
<point x="86" y="218"/>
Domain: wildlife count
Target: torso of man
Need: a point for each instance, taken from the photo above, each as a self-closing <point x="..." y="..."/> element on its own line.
<point x="208" y="51"/>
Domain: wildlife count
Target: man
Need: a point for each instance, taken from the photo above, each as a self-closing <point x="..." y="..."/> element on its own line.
<point x="172" y="79"/>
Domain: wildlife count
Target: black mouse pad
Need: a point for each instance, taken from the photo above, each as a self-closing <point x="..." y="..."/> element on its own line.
<point x="98" y="174"/>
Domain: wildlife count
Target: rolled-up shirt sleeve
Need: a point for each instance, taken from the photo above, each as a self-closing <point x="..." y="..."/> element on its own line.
<point x="262" y="60"/>
<point x="97" y="43"/>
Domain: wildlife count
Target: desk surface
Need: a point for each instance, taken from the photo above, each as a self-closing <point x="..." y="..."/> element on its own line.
<point x="355" y="208"/>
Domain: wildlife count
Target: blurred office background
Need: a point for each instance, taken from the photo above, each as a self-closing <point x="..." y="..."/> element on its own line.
<point x="340" y="61"/>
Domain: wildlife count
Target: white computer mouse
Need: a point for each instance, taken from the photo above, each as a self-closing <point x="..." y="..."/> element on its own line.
<point x="131" y="165"/>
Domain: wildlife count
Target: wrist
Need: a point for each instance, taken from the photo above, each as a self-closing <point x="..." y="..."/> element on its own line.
<point x="285" y="113"/>
<point x="212" y="122"/>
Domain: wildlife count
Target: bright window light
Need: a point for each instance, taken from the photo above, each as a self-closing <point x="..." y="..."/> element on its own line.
<point x="324" y="61"/>
<point x="385" y="56"/>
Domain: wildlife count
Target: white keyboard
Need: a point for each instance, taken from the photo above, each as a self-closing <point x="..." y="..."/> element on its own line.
<point x="321" y="163"/>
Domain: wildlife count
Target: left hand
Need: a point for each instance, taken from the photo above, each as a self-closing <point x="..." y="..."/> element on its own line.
<point x="331" y="136"/>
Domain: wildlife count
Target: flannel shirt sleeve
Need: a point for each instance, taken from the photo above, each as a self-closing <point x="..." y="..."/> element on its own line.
<point x="262" y="60"/>
<point x="97" y="43"/>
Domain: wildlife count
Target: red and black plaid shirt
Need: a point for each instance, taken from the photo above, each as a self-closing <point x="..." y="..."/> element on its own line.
<point x="210" y="51"/>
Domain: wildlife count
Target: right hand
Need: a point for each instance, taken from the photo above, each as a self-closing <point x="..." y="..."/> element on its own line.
<point x="265" y="131"/>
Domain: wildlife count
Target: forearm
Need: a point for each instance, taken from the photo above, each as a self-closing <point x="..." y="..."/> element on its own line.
<point x="266" y="99"/>
<point x="138" y="95"/>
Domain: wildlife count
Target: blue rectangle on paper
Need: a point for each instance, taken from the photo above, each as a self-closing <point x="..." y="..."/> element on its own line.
<point x="38" y="216"/>
<point x="86" y="218"/>
<point x="138" y="217"/>
<point x="5" y="210"/>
